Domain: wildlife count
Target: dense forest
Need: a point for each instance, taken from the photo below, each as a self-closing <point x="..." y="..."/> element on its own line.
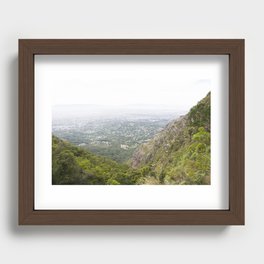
<point x="75" y="165"/>
<point x="179" y="154"/>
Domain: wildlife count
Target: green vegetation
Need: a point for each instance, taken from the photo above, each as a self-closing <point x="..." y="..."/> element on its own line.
<point x="74" y="165"/>
<point x="179" y="154"/>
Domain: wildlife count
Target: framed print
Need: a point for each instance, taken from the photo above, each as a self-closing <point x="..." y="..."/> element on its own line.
<point x="131" y="132"/>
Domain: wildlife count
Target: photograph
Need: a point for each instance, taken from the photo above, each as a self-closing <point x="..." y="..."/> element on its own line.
<point x="121" y="123"/>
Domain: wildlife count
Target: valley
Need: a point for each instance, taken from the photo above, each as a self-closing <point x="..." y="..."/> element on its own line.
<point x="116" y="136"/>
<point x="91" y="145"/>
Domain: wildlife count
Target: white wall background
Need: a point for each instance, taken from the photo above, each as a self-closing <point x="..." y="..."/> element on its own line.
<point x="131" y="19"/>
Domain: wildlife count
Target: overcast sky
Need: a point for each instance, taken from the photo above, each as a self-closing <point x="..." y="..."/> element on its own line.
<point x="176" y="82"/>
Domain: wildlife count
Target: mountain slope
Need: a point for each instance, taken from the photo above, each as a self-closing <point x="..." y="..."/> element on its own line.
<point x="74" y="165"/>
<point x="180" y="153"/>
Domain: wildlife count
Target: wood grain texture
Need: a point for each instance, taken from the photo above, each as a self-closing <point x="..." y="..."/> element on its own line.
<point x="232" y="47"/>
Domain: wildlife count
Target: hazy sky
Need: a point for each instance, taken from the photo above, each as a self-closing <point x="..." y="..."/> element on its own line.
<point x="174" y="82"/>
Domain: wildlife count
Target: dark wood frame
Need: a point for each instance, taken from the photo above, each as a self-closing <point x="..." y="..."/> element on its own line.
<point x="232" y="47"/>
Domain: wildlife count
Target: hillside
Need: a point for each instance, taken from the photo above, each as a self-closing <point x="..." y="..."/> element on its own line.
<point x="74" y="165"/>
<point x="180" y="153"/>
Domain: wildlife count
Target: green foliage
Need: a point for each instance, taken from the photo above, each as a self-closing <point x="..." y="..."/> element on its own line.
<point x="199" y="115"/>
<point x="192" y="164"/>
<point x="112" y="182"/>
<point x="65" y="168"/>
<point x="180" y="154"/>
<point x="73" y="165"/>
